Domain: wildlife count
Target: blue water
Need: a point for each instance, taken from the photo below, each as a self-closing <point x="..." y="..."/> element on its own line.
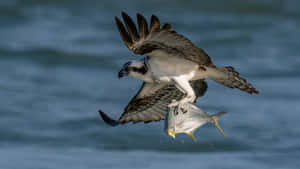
<point x="58" y="65"/>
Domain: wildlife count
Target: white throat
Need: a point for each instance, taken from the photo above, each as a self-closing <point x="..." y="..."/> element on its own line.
<point x="148" y="76"/>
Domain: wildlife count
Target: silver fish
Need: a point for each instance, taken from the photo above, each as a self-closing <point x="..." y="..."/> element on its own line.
<point x="187" y="119"/>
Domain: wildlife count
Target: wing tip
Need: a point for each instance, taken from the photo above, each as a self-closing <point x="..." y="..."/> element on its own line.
<point x="107" y="119"/>
<point x="124" y="15"/>
<point x="131" y="27"/>
<point x="166" y="27"/>
<point x="155" y="24"/>
<point x="253" y="91"/>
<point x="123" y="32"/>
<point x="143" y="26"/>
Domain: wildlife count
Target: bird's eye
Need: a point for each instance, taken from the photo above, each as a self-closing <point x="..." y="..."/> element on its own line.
<point x="130" y="68"/>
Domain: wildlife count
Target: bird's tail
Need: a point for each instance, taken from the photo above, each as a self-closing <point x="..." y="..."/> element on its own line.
<point x="229" y="77"/>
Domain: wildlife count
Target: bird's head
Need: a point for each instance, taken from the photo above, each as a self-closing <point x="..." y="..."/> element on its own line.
<point x="135" y="69"/>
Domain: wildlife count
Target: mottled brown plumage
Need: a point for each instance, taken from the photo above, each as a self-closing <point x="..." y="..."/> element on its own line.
<point x="169" y="52"/>
<point x="175" y="45"/>
<point x="151" y="102"/>
<point x="233" y="80"/>
<point x="159" y="39"/>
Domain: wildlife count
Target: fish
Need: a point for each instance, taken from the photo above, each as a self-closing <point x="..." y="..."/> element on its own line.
<point x="188" y="118"/>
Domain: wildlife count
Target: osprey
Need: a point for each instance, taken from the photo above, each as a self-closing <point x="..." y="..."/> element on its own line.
<point x="173" y="69"/>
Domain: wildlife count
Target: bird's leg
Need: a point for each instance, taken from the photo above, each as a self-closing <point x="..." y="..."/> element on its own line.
<point x="184" y="86"/>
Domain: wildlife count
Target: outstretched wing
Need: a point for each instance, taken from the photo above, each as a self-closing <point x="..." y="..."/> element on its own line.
<point x="151" y="102"/>
<point x="159" y="40"/>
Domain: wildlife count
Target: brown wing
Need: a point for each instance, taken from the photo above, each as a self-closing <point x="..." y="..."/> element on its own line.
<point x="151" y="102"/>
<point x="158" y="38"/>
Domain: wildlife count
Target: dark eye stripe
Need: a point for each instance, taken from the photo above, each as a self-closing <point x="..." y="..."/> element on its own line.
<point x="141" y="70"/>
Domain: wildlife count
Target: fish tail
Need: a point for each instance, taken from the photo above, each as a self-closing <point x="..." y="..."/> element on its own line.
<point x="215" y="118"/>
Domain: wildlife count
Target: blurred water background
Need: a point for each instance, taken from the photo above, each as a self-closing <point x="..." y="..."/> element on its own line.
<point x="58" y="65"/>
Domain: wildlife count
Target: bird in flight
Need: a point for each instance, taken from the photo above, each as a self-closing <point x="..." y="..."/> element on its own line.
<point x="173" y="68"/>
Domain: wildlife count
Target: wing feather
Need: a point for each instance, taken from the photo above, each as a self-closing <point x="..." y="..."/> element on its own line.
<point x="143" y="26"/>
<point x="166" y="27"/>
<point x="124" y="34"/>
<point x="163" y="39"/>
<point x="151" y="102"/>
<point x="155" y="24"/>
<point x="130" y="27"/>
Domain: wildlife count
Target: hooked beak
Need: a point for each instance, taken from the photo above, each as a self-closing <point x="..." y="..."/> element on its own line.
<point x="122" y="73"/>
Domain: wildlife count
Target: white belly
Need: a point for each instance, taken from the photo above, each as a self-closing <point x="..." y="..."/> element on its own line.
<point x="164" y="69"/>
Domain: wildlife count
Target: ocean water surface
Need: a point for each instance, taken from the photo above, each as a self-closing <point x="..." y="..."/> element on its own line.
<point x="59" y="61"/>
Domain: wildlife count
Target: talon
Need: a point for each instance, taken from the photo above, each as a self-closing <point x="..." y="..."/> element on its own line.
<point x="183" y="109"/>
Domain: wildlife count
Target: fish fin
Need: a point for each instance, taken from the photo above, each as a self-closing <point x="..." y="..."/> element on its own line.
<point x="215" y="118"/>
<point x="172" y="134"/>
<point x="191" y="134"/>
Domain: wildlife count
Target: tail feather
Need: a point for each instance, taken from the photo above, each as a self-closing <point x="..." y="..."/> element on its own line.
<point x="230" y="78"/>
